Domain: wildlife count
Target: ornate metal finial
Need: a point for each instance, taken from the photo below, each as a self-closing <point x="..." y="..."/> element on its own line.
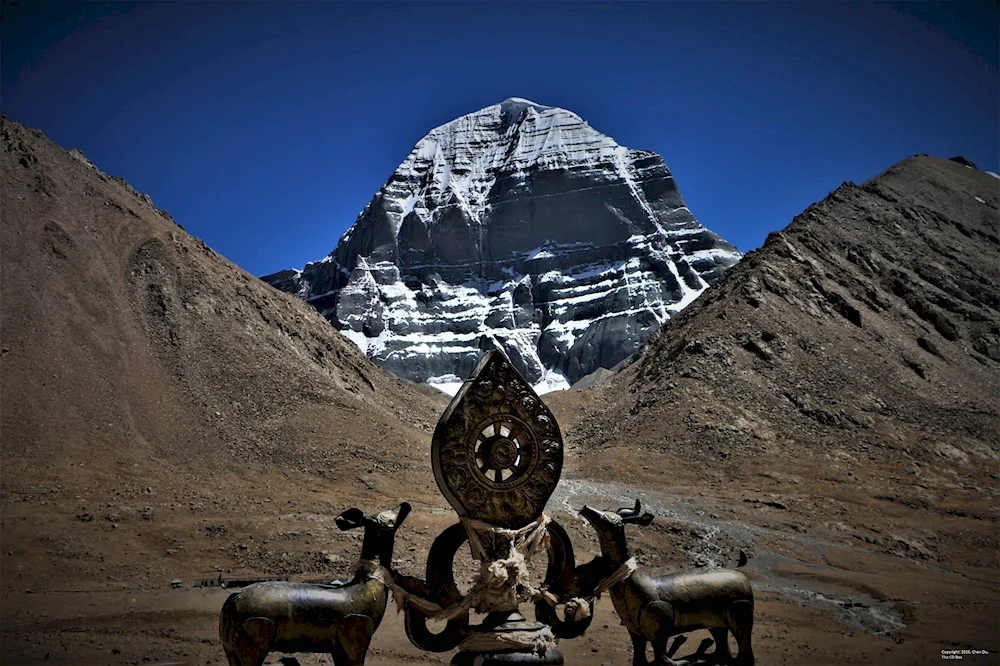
<point x="497" y="451"/>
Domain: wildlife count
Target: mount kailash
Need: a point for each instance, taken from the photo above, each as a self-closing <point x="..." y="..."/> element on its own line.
<point x="516" y="227"/>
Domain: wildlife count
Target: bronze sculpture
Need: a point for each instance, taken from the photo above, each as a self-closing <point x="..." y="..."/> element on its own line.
<point x="299" y="617"/>
<point x="497" y="457"/>
<point x="655" y="609"/>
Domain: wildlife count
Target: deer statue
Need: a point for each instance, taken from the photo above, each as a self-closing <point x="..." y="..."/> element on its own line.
<point x="301" y="617"/>
<point x="655" y="609"/>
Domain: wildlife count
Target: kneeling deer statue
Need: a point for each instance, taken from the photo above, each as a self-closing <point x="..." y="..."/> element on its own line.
<point x="654" y="609"/>
<point x="301" y="617"/>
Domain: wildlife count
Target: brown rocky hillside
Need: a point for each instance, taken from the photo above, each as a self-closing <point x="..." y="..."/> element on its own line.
<point x="839" y="389"/>
<point x="134" y="357"/>
<point x="868" y="329"/>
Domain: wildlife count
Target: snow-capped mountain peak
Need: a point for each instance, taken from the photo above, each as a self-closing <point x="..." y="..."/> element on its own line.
<point x="519" y="227"/>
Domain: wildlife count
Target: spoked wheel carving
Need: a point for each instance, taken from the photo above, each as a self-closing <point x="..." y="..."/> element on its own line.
<point x="504" y="449"/>
<point x="497" y="450"/>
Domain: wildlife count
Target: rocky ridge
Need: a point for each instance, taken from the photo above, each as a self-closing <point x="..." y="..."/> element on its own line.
<point x="516" y="227"/>
<point x="867" y="330"/>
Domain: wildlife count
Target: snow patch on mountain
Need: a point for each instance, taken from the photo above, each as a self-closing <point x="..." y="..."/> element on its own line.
<point x="552" y="381"/>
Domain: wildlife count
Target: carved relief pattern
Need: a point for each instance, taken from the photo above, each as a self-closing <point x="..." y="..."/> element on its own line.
<point x="498" y="453"/>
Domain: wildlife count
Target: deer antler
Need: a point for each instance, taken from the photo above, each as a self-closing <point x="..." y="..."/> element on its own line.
<point x="627" y="513"/>
<point x="635" y="514"/>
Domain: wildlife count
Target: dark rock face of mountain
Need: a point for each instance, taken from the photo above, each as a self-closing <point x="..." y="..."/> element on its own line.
<point x="516" y="227"/>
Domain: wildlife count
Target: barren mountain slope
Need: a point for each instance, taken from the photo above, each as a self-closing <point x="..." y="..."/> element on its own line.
<point x="143" y="370"/>
<point x="839" y="390"/>
<point x="870" y="326"/>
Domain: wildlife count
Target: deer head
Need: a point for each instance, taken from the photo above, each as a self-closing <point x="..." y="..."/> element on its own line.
<point x="610" y="528"/>
<point x="380" y="530"/>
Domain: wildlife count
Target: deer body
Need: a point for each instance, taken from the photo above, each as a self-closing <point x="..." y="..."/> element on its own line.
<point x="655" y="609"/>
<point x="300" y="617"/>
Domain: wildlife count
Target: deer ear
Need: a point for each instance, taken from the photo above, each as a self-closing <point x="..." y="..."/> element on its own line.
<point x="350" y="519"/>
<point x="592" y="515"/>
<point x="645" y="519"/>
<point x="402" y="513"/>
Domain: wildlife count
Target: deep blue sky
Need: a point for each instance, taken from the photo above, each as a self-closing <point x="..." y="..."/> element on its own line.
<point x="265" y="127"/>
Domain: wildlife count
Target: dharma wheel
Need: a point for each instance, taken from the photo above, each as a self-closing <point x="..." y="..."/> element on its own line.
<point x="497" y="451"/>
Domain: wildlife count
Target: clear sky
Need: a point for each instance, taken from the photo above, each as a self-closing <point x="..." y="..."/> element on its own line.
<point x="265" y="127"/>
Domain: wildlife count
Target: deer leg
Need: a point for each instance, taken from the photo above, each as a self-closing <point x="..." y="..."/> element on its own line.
<point x="354" y="635"/>
<point x="699" y="654"/>
<point x="638" y="650"/>
<point x="232" y="656"/>
<point x="739" y="620"/>
<point x="657" y="622"/>
<point x="251" y="642"/>
<point x="660" y="653"/>
<point x="721" y="636"/>
<point x="678" y="641"/>
<point x="693" y="659"/>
